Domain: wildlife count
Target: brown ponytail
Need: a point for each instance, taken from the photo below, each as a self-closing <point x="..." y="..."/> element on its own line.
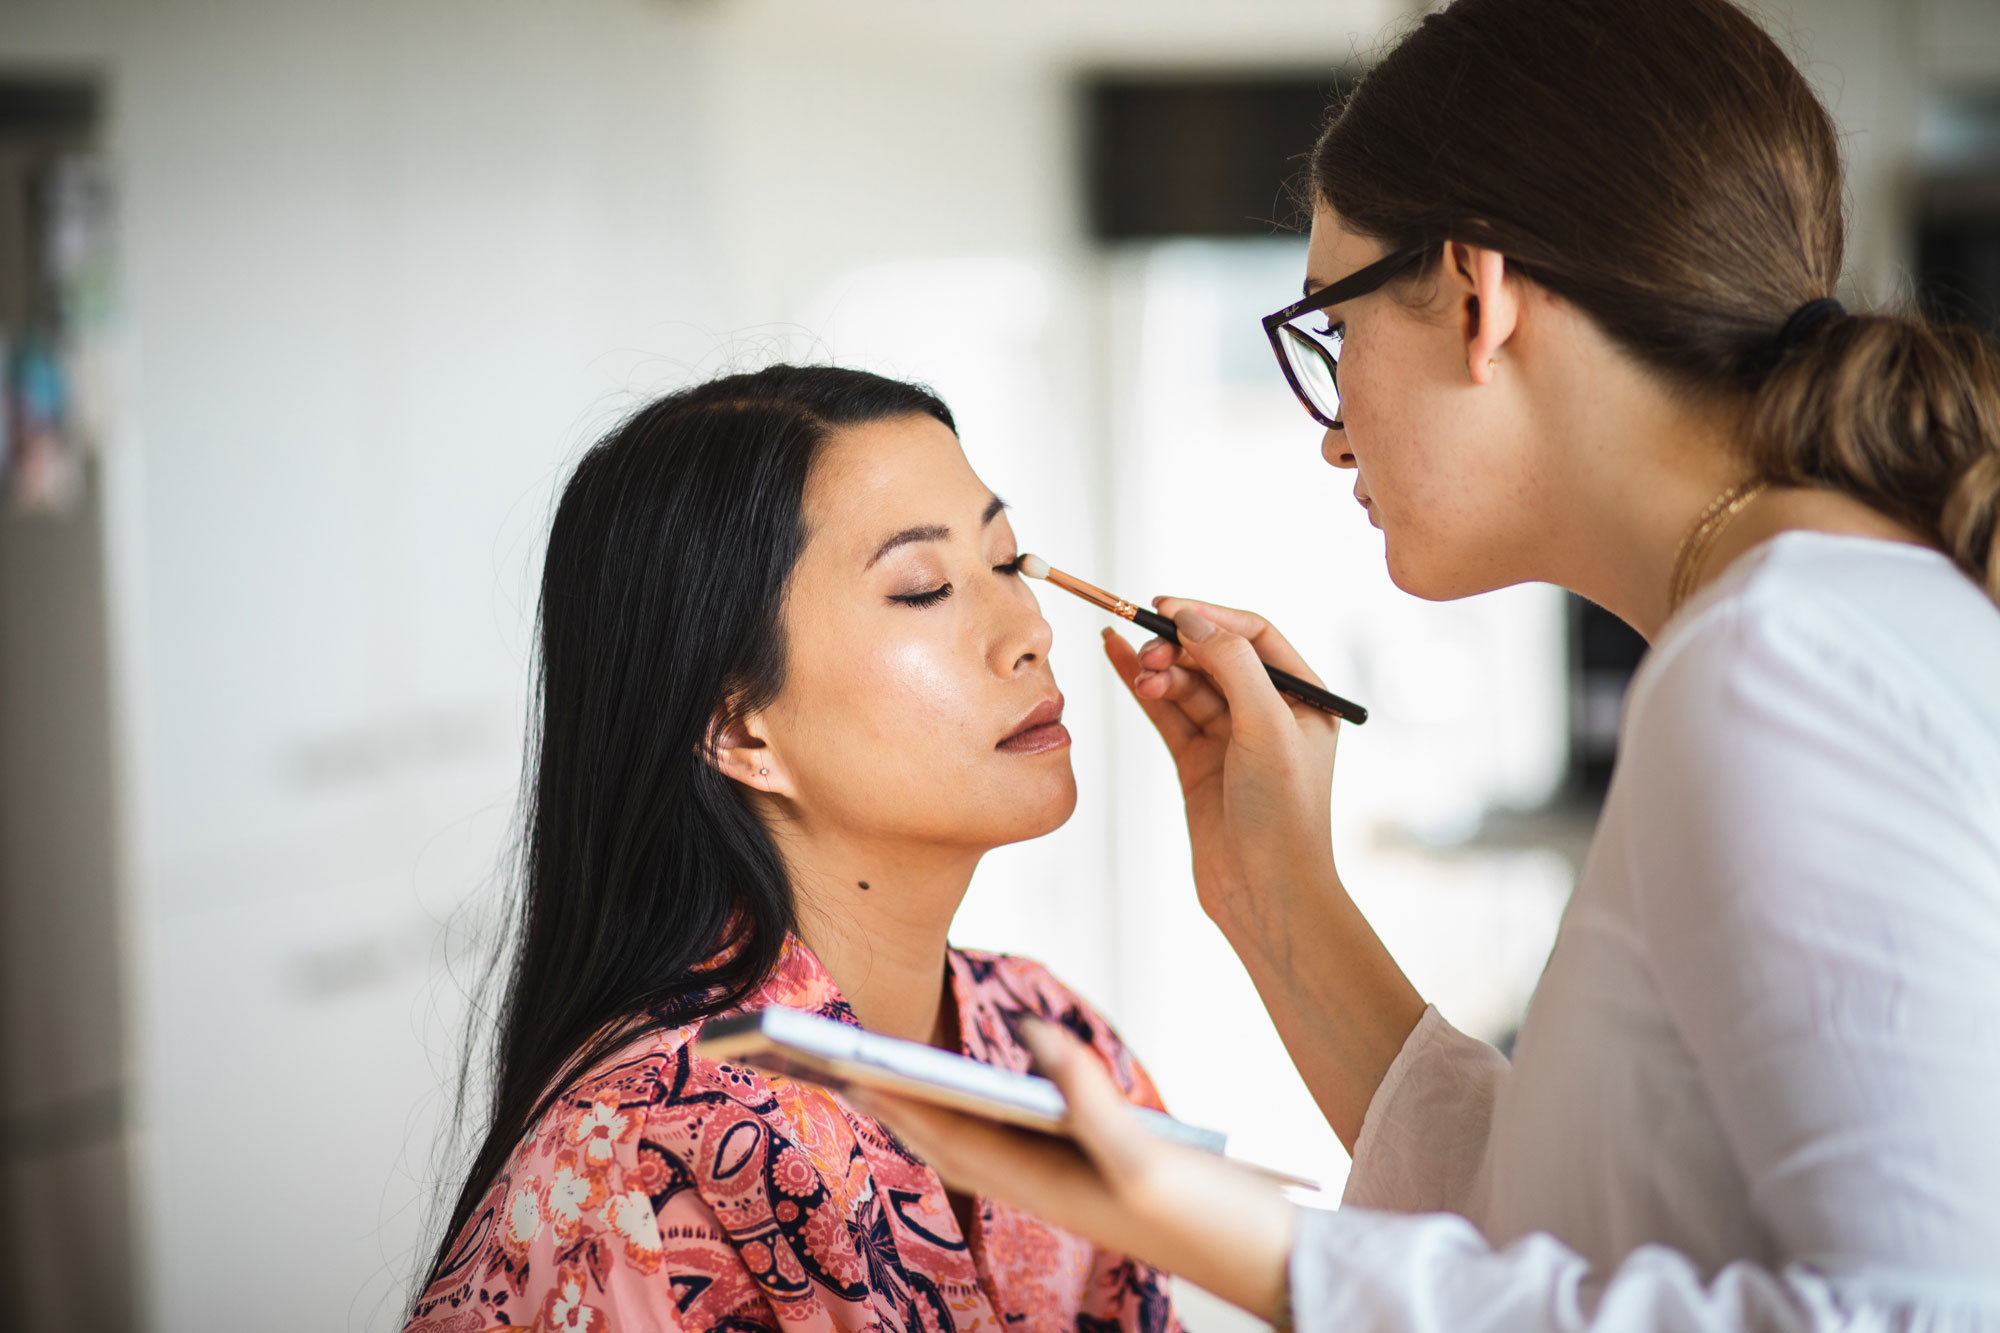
<point x="1900" y="414"/>
<point x="1663" y="166"/>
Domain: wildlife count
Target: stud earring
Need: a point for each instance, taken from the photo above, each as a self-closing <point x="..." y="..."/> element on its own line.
<point x="763" y="772"/>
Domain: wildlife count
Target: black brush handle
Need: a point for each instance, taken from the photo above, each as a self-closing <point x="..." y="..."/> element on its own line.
<point x="1303" y="690"/>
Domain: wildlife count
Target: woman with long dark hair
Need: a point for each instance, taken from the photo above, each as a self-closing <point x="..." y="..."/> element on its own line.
<point x="1570" y="317"/>
<point x="791" y="689"/>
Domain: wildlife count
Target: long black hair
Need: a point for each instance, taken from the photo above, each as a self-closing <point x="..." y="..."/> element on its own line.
<point x="649" y="894"/>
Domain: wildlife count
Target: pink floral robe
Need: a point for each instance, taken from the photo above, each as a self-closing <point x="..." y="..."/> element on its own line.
<point x="666" y="1192"/>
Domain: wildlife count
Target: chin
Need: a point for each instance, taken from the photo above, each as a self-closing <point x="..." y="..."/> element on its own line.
<point x="1034" y="808"/>
<point x="1052" y="802"/>
<point x="1413" y="576"/>
<point x="1440" y="580"/>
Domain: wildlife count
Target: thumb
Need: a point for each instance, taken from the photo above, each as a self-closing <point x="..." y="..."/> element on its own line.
<point x="1099" y="1118"/>
<point x="1226" y="658"/>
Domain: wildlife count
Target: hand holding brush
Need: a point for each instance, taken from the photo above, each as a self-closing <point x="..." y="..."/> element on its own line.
<point x="1289" y="685"/>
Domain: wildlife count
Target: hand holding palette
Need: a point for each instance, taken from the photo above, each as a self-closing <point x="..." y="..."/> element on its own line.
<point x="841" y="1056"/>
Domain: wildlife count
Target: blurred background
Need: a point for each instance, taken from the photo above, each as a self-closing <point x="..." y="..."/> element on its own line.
<point x="306" y="308"/>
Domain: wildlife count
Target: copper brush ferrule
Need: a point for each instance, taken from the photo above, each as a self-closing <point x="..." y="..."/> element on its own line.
<point x="1090" y="592"/>
<point x="1289" y="685"/>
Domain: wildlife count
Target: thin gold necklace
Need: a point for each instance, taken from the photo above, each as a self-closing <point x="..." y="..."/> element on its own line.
<point x="1694" y="547"/>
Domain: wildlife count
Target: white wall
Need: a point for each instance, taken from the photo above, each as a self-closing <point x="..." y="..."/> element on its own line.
<point x="388" y="267"/>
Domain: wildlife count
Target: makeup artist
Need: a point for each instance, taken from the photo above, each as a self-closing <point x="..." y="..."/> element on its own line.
<point x="1574" y="262"/>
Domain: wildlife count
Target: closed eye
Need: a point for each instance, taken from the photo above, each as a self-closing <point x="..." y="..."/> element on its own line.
<point x="1011" y="567"/>
<point x="931" y="598"/>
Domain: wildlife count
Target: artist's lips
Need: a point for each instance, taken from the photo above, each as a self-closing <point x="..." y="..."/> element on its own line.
<point x="1040" y="730"/>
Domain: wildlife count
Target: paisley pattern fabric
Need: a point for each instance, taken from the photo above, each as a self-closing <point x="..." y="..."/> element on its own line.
<point x="666" y="1192"/>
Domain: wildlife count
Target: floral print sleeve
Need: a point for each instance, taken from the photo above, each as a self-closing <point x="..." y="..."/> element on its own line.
<point x="593" y="1219"/>
<point x="668" y="1192"/>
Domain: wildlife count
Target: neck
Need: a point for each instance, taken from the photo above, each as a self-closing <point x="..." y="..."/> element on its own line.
<point x="1642" y="465"/>
<point x="883" y="944"/>
<point x="1645" y="466"/>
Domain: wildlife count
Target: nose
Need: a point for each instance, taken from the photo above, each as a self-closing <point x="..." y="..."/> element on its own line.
<point x="1333" y="448"/>
<point x="1021" y="637"/>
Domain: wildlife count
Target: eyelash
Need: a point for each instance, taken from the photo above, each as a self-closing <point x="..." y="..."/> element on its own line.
<point x="1334" y="330"/>
<point x="939" y="593"/>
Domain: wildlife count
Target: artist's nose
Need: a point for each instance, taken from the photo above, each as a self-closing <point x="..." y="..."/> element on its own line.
<point x="1333" y="448"/>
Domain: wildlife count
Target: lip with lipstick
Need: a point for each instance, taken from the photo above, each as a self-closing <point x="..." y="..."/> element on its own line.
<point x="1039" y="732"/>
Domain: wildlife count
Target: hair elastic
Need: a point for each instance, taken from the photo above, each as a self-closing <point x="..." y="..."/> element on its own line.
<point x="1805" y="319"/>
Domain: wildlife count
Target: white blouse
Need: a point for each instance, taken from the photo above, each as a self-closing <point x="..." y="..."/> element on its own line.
<point x="1759" y="1083"/>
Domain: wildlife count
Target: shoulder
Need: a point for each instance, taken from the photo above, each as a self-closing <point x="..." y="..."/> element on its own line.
<point x="681" y="1120"/>
<point x="1807" y="745"/>
<point x="1013" y="974"/>
<point x="1007" y="984"/>
<point x="1022" y="984"/>
<point x="601" y="1194"/>
<point x="629" y="1124"/>
<point x="666" y="1174"/>
<point x="1814" y="640"/>
<point x="641" y="1114"/>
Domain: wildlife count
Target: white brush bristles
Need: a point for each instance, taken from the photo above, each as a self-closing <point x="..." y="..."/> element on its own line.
<point x="1034" y="566"/>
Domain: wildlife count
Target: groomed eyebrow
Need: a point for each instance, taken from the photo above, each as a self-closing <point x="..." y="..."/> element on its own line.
<point x="1309" y="286"/>
<point x="931" y="532"/>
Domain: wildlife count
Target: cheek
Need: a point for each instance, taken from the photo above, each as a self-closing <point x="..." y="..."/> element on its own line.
<point x="1378" y="412"/>
<point x="917" y="685"/>
<point x="896" y="737"/>
<point x="1414" y="433"/>
<point x="1403" y="430"/>
<point x="887" y="702"/>
<point x="1374" y="397"/>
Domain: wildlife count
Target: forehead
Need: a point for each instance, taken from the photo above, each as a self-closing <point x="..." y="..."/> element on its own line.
<point x="882" y="476"/>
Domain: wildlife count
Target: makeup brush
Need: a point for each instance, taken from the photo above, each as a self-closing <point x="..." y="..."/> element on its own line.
<point x="1303" y="690"/>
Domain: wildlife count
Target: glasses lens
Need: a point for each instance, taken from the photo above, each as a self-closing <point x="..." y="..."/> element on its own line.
<point x="1312" y="366"/>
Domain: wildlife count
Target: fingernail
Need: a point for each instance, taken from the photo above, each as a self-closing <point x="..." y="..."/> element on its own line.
<point x="1158" y="600"/>
<point x="1194" y="625"/>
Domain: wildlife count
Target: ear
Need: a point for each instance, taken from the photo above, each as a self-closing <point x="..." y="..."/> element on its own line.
<point x="1489" y="306"/>
<point x="736" y="750"/>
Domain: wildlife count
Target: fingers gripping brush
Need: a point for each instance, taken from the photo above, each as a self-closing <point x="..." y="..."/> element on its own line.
<point x="1289" y="685"/>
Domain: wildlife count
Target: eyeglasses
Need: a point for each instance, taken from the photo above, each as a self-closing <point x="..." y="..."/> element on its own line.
<point x="1310" y="357"/>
